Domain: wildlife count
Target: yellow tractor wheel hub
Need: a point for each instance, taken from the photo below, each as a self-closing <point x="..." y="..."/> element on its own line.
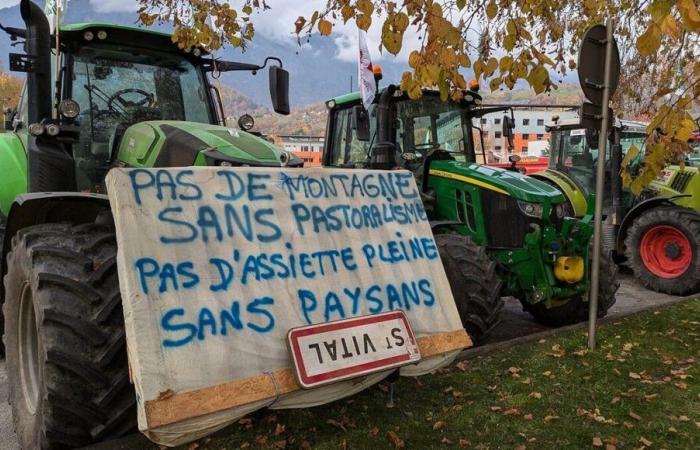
<point x="569" y="269"/>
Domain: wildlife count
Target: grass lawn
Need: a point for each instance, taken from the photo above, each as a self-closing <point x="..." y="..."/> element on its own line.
<point x="641" y="388"/>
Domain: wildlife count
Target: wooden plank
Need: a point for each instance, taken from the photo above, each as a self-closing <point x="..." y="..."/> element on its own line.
<point x="171" y="408"/>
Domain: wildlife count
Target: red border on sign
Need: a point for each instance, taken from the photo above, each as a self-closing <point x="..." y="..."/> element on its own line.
<point x="309" y="330"/>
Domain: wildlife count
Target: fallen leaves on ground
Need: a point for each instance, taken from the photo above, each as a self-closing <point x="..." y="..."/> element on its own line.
<point x="396" y="440"/>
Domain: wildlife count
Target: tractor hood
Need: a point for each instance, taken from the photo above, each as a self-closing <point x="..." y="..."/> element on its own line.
<point x="507" y="182"/>
<point x="178" y="144"/>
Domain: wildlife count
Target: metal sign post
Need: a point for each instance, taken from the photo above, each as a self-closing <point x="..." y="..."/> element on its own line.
<point x="599" y="74"/>
<point x="599" y="185"/>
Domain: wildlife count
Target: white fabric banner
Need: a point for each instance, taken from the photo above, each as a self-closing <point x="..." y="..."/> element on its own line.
<point x="54" y="10"/>
<point x="216" y="265"/>
<point x="365" y="74"/>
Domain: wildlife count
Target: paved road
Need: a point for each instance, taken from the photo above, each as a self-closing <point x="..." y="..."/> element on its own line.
<point x="516" y="323"/>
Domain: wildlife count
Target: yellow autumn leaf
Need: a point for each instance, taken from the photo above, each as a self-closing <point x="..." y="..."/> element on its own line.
<point x="504" y="63"/>
<point x="325" y="27"/>
<point x="669" y="26"/>
<point x="366" y="6"/>
<point x="491" y="9"/>
<point x="494" y="84"/>
<point x="401" y="21"/>
<point x="414" y="59"/>
<point x="478" y="68"/>
<point x="648" y="43"/>
<point x="511" y="28"/>
<point x="491" y="66"/>
<point x="347" y="11"/>
<point x="538" y="78"/>
<point x="363" y="21"/>
<point x="631" y="154"/>
<point x="392" y="42"/>
<point x="509" y="42"/>
<point x="689" y="15"/>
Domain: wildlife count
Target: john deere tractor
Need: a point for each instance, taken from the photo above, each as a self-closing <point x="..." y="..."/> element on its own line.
<point x="499" y="232"/>
<point x="124" y="97"/>
<point x="656" y="233"/>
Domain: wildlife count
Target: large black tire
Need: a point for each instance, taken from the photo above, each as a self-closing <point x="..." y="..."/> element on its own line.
<point x="2" y="320"/>
<point x="575" y="309"/>
<point x="684" y="221"/>
<point x="475" y="284"/>
<point x="66" y="357"/>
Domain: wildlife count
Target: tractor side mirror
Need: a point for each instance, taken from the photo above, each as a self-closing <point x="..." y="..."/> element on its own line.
<point x="508" y="127"/>
<point x="279" y="89"/>
<point x="10" y="118"/>
<point x="592" y="138"/>
<point x="360" y="122"/>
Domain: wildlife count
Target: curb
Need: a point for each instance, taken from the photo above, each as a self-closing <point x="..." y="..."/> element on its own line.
<point x="491" y="348"/>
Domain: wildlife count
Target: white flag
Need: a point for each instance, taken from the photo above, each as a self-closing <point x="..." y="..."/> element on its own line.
<point x="364" y="72"/>
<point x="54" y="10"/>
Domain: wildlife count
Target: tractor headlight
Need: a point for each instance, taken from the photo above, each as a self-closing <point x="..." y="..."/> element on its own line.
<point x="69" y="108"/>
<point x="89" y="35"/>
<point x="52" y="129"/>
<point x="530" y="209"/>
<point x="36" y="129"/>
<point x="246" y="122"/>
<point x="560" y="211"/>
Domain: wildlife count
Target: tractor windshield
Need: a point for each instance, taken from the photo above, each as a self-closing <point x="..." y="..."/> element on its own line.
<point x="431" y="124"/>
<point x="573" y="153"/>
<point x="420" y="126"/>
<point x="117" y="87"/>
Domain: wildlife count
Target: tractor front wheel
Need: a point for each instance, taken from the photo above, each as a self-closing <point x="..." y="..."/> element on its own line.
<point x="475" y="285"/>
<point x="662" y="249"/>
<point x="575" y="309"/>
<point x="64" y="334"/>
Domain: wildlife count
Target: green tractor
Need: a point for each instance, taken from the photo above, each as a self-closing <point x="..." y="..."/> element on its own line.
<point x="500" y="233"/>
<point x="657" y="234"/>
<point x="124" y="97"/>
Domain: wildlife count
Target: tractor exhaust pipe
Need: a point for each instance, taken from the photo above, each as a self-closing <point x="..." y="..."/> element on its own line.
<point x="383" y="152"/>
<point x="50" y="167"/>
<point x="38" y="46"/>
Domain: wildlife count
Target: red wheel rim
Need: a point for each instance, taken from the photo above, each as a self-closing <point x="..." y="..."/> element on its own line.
<point x="666" y="251"/>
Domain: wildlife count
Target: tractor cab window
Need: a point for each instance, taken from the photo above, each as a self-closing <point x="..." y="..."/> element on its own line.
<point x="346" y="149"/>
<point x="118" y="87"/>
<point x="431" y="124"/>
<point x="419" y="126"/>
<point x="576" y="156"/>
<point x="693" y="158"/>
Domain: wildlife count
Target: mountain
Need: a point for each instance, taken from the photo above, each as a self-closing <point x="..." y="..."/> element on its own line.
<point x="315" y="72"/>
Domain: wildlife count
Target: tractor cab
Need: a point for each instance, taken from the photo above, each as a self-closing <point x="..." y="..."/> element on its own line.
<point x="421" y="131"/>
<point x="574" y="153"/>
<point x="102" y="95"/>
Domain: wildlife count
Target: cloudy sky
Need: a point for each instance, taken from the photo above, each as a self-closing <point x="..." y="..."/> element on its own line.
<point x="278" y="24"/>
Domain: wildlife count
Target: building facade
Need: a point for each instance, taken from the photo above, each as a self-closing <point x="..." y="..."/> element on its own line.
<point x="529" y="136"/>
<point x="308" y="148"/>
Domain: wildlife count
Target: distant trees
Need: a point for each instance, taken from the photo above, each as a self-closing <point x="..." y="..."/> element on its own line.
<point x="10" y="90"/>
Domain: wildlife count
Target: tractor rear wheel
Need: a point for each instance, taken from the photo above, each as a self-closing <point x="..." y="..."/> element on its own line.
<point x="474" y="282"/>
<point x="64" y="334"/>
<point x="575" y="309"/>
<point x="662" y="248"/>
